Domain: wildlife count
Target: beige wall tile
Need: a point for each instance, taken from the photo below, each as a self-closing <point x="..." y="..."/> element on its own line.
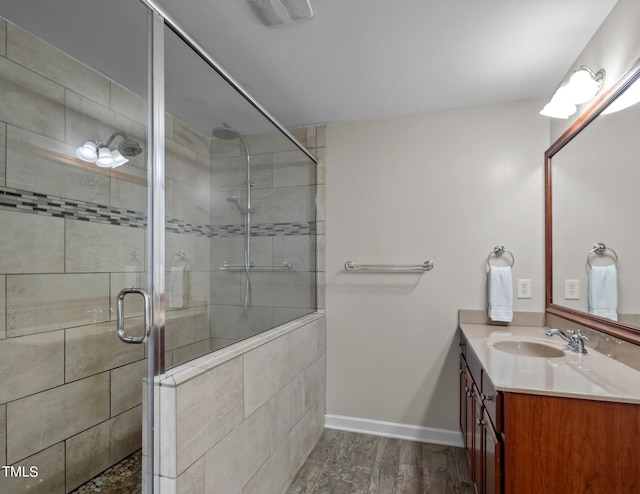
<point x="53" y="64"/>
<point x="43" y="419"/>
<point x="297" y="249"/>
<point x="266" y="371"/>
<point x="189" y="137"/>
<point x="94" y="247"/>
<point x="128" y="104"/>
<point x="180" y="328"/>
<point x="192" y="479"/>
<point x="307" y="344"/>
<point x="287" y="410"/>
<point x="299" y="133"/>
<point x="189" y="203"/>
<point x="321" y="166"/>
<point x="128" y="195"/>
<point x="30" y="101"/>
<point x="37" y="163"/>
<point x="3" y="434"/>
<point x="166" y="415"/>
<point x="229" y="323"/>
<point x="31" y="243"/>
<point x="320" y="202"/>
<point x="321" y="134"/>
<point x="180" y="162"/>
<point x="293" y="168"/>
<point x="87" y="454"/>
<point x="127" y="386"/>
<point x="37" y="303"/>
<point x="31" y="364"/>
<point x="314" y="381"/>
<point x="282" y="204"/>
<point x="311" y="141"/>
<point x="204" y="418"/>
<point x="51" y="474"/>
<point x="3" y="38"/>
<point x="231" y="463"/>
<point x="97" y="448"/>
<point x="283" y="315"/>
<point x="283" y="289"/>
<point x="270" y="142"/>
<point x="275" y="474"/>
<point x="3" y="153"/>
<point x="306" y="434"/>
<point x="3" y="307"/>
<point x="190" y="352"/>
<point x="93" y="349"/>
<point x="229" y="173"/>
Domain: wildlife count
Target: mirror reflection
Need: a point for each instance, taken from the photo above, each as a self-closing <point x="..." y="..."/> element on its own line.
<point x="596" y="237"/>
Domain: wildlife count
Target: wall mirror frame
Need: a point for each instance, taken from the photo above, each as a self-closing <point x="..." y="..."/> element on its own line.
<point x="612" y="328"/>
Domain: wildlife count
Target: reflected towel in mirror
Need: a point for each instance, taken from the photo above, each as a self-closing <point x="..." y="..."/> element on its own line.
<point x="603" y="291"/>
<point x="500" y="292"/>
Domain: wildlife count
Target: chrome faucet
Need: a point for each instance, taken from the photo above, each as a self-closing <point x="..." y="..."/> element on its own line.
<point x="575" y="340"/>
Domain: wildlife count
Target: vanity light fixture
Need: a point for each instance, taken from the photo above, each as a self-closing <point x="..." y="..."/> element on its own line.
<point x="583" y="85"/>
<point x="95" y="151"/>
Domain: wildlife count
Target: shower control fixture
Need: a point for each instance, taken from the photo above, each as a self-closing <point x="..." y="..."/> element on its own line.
<point x="95" y="151"/>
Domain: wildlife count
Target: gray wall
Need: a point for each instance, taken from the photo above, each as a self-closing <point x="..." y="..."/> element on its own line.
<point x="445" y="186"/>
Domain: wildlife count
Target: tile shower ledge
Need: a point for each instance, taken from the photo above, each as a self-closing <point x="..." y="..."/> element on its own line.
<point x="189" y="370"/>
<point x="592" y="376"/>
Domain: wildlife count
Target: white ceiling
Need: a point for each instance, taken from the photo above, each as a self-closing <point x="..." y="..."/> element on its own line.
<point x="354" y="60"/>
<point x="363" y="59"/>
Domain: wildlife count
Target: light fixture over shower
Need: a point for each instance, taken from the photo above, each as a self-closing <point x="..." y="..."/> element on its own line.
<point x="95" y="151"/>
<point x="583" y="85"/>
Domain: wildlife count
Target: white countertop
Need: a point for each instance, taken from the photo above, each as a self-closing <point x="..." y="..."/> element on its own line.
<point x="591" y="376"/>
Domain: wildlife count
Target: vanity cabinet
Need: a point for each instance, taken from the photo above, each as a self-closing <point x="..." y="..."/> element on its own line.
<point x="526" y="443"/>
<point x="480" y="414"/>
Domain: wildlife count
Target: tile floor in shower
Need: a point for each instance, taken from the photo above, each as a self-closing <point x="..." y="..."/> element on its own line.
<point x="342" y="463"/>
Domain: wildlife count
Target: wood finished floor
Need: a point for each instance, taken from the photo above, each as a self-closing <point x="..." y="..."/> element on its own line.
<point x="349" y="463"/>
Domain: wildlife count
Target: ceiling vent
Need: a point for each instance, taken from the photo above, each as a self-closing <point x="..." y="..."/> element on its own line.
<point x="278" y="12"/>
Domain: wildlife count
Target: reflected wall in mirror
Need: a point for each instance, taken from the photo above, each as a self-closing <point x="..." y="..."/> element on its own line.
<point x="592" y="185"/>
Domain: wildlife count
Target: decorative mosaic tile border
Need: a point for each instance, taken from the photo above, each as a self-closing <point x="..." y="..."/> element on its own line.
<point x="48" y="205"/>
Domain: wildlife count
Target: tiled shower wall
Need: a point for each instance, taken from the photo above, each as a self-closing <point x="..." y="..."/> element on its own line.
<point x="245" y="418"/>
<point x="72" y="235"/>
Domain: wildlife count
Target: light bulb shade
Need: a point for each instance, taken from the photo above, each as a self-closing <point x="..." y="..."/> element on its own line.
<point x="118" y="159"/>
<point x="88" y="152"/>
<point x="105" y="159"/>
<point x="560" y="105"/>
<point x="583" y="86"/>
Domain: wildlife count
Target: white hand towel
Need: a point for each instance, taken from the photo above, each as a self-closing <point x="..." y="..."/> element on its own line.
<point x="603" y="292"/>
<point x="500" y="294"/>
<point x="178" y="296"/>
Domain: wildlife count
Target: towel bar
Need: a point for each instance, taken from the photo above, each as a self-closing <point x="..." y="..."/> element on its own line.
<point x="389" y="268"/>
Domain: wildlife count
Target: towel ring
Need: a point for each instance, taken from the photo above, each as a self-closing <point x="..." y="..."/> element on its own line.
<point x="600" y="249"/>
<point x="499" y="251"/>
<point x="179" y="256"/>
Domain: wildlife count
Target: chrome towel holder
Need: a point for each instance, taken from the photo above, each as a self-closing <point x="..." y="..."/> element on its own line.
<point x="350" y="266"/>
<point x="499" y="251"/>
<point x="600" y="249"/>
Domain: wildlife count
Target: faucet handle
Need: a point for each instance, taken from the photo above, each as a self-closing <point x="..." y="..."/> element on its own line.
<point x="581" y="336"/>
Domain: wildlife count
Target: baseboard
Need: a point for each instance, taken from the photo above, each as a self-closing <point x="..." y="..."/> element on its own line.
<point x="391" y="429"/>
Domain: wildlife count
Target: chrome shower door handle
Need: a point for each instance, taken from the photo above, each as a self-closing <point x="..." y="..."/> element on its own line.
<point x="147" y="315"/>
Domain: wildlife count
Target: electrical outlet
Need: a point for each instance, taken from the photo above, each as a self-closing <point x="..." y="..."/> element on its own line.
<point x="572" y="289"/>
<point x="524" y="289"/>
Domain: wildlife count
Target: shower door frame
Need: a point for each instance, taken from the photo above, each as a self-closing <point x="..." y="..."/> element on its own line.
<point x="158" y="20"/>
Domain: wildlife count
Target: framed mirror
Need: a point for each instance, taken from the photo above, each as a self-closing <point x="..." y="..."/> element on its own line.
<point x="592" y="203"/>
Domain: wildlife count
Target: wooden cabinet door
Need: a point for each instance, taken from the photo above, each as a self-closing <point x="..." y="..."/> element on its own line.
<point x="492" y="466"/>
<point x="478" y="446"/>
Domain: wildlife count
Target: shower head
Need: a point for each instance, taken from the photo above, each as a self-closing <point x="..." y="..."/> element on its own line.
<point x="129" y="147"/>
<point x="225" y="132"/>
<point x="233" y="199"/>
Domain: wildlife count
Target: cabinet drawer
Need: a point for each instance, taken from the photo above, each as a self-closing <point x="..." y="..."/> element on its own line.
<point x="474" y="366"/>
<point x="492" y="401"/>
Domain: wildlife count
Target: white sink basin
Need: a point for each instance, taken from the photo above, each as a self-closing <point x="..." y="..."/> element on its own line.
<point x="526" y="348"/>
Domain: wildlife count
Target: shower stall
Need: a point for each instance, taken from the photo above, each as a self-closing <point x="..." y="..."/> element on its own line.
<point x="139" y="231"/>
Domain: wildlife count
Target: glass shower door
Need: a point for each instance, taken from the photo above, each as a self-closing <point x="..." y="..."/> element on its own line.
<point x="75" y="229"/>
